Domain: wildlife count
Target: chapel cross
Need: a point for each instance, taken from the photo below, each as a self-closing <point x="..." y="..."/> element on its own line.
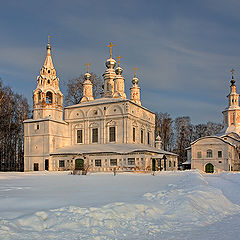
<point x="48" y="39"/>
<point x="135" y="72"/>
<point x="232" y="71"/>
<point x="110" y="46"/>
<point x="88" y="64"/>
<point x="119" y="58"/>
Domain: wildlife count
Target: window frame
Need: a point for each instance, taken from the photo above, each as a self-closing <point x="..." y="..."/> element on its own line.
<point x="199" y="154"/>
<point x="142" y="136"/>
<point x="134" y="134"/>
<point x="97" y="161"/>
<point x="81" y="138"/>
<point x="112" y="134"/>
<point x="209" y="153"/>
<point x="61" y="163"/>
<point x="131" y="162"/>
<point x="95" y="135"/>
<point x="113" y="162"/>
<point x="220" y="154"/>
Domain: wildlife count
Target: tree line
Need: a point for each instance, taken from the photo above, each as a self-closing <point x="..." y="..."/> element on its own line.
<point x="14" y="109"/>
<point x="176" y="134"/>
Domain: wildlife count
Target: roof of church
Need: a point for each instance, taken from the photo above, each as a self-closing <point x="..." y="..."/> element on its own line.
<point x="99" y="101"/>
<point x="220" y="138"/>
<point x="108" y="148"/>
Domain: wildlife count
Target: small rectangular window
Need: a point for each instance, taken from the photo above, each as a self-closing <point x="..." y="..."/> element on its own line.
<point x="38" y="126"/>
<point x="79" y="136"/>
<point x="113" y="162"/>
<point x="141" y="136"/>
<point x="174" y="164"/>
<point x="98" y="163"/>
<point x="148" y="135"/>
<point x="131" y="161"/>
<point x="170" y="164"/>
<point x="95" y="135"/>
<point x="199" y="154"/>
<point x="134" y="134"/>
<point x="112" y="134"/>
<point x="219" y="154"/>
<point x="61" y="163"/>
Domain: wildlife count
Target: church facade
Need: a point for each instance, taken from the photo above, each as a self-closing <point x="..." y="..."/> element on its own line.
<point x="222" y="152"/>
<point x="111" y="133"/>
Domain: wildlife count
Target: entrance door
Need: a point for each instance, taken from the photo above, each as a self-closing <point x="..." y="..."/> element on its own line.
<point x="46" y="164"/>
<point x="209" y="168"/>
<point x="35" y="167"/>
<point x="79" y="164"/>
<point x="153" y="165"/>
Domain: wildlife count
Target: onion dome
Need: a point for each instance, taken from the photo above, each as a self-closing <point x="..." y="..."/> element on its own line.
<point x="110" y="63"/>
<point x="135" y="80"/>
<point x="87" y="76"/>
<point x="119" y="71"/>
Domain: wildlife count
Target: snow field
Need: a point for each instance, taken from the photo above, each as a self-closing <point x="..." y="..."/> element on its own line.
<point x="184" y="200"/>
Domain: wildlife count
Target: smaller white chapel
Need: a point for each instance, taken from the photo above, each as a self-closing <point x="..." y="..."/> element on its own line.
<point x="111" y="133"/>
<point x="214" y="154"/>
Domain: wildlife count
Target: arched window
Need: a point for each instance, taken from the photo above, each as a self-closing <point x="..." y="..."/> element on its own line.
<point x="209" y="153"/>
<point x="49" y="97"/>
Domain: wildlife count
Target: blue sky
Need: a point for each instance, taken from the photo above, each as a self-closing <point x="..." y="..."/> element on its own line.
<point x="184" y="50"/>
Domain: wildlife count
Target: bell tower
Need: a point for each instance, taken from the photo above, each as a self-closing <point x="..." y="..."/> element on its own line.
<point x="232" y="112"/>
<point x="47" y="97"/>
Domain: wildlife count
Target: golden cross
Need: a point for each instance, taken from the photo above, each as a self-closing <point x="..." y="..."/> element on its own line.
<point x="87" y="64"/>
<point x="119" y="57"/>
<point x="48" y="39"/>
<point x="110" y="46"/>
<point x="135" y="72"/>
<point x="232" y="71"/>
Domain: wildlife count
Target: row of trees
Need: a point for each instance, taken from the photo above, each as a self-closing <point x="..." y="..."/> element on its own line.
<point x="14" y="109"/>
<point x="177" y="134"/>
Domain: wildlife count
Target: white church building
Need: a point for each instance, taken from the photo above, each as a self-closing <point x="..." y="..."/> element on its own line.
<point x="222" y="152"/>
<point x="111" y="133"/>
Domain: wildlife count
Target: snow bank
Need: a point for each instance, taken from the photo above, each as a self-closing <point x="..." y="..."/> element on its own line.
<point x="189" y="203"/>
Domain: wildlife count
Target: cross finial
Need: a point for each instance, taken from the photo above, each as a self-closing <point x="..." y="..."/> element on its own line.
<point x="48" y="39"/>
<point x="88" y="64"/>
<point x="119" y="58"/>
<point x="135" y="72"/>
<point x="232" y="72"/>
<point x="110" y="46"/>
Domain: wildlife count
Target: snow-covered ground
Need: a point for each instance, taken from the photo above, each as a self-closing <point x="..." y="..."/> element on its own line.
<point x="169" y="205"/>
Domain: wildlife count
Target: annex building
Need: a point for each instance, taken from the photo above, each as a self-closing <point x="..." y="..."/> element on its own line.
<point x="105" y="134"/>
<point x="222" y="152"/>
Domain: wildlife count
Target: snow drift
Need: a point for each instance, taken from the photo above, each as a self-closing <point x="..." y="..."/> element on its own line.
<point x="187" y="204"/>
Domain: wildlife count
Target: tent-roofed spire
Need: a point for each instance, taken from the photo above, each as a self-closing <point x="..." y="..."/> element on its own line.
<point x="48" y="61"/>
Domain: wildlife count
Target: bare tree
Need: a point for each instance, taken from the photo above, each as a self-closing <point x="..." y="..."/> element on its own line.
<point x="13" y="110"/>
<point x="75" y="88"/>
<point x="163" y="128"/>
<point x="184" y="135"/>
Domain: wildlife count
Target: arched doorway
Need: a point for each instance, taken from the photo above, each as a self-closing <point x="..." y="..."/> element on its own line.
<point x="79" y="164"/>
<point x="209" y="168"/>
